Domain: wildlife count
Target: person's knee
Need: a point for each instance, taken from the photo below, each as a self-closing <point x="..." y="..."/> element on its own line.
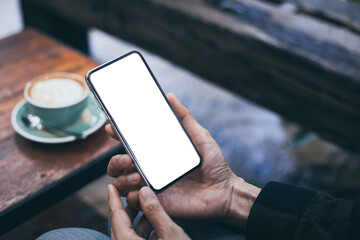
<point x="73" y="233"/>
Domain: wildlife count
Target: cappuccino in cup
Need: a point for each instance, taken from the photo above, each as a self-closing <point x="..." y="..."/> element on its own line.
<point x="56" y="91"/>
<point x="57" y="98"/>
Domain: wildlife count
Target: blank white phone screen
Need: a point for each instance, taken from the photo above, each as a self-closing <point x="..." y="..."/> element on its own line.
<point x="160" y="146"/>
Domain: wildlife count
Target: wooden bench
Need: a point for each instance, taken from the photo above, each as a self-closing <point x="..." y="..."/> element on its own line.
<point x="300" y="58"/>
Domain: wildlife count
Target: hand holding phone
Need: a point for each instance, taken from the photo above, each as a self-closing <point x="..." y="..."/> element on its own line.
<point x="213" y="191"/>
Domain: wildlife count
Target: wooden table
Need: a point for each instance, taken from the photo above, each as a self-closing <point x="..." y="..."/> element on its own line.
<point x="34" y="176"/>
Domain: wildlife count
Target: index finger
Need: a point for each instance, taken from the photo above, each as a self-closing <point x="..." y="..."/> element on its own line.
<point x="198" y="134"/>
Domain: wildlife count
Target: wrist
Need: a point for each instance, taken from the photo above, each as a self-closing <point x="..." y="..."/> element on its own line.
<point x="243" y="196"/>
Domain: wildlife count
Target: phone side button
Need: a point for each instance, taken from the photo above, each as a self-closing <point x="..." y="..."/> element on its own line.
<point x="106" y="116"/>
<point x="98" y="104"/>
<point x="102" y="110"/>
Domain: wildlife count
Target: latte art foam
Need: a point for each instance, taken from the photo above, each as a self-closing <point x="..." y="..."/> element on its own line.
<point x="56" y="91"/>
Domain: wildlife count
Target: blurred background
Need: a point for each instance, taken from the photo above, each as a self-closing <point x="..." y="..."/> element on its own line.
<point x="262" y="76"/>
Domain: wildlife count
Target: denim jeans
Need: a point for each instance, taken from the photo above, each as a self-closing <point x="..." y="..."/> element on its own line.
<point x="72" y="234"/>
<point x="196" y="229"/>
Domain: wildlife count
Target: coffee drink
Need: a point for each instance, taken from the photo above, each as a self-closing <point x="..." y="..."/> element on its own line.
<point x="58" y="99"/>
<point x="56" y="91"/>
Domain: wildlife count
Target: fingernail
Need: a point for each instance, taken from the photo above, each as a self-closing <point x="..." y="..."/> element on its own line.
<point x="132" y="177"/>
<point x="108" y="187"/>
<point x="120" y="160"/>
<point x="146" y="193"/>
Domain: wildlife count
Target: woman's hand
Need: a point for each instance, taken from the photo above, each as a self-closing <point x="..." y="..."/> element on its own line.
<point x="121" y="219"/>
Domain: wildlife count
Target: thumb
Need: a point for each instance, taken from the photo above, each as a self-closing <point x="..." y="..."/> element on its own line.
<point x="155" y="213"/>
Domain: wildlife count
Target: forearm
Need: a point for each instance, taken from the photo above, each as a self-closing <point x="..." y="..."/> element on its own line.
<point x="286" y="212"/>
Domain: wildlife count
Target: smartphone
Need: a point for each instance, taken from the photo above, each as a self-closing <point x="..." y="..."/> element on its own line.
<point x="144" y="121"/>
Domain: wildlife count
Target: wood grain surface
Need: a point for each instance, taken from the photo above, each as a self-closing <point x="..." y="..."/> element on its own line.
<point x="340" y="12"/>
<point x="287" y="56"/>
<point x="27" y="167"/>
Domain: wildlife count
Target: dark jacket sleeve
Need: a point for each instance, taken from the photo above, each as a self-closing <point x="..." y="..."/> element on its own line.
<point x="285" y="212"/>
